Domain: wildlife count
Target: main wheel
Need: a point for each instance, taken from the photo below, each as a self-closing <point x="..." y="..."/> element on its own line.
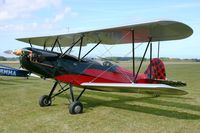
<point x="44" y="101"/>
<point x="76" y="107"/>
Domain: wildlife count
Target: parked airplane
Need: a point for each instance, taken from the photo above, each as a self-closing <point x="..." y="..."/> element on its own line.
<point x="9" y="71"/>
<point x="87" y="74"/>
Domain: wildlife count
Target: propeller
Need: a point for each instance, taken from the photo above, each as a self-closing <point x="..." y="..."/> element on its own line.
<point x="8" y="51"/>
<point x="18" y="52"/>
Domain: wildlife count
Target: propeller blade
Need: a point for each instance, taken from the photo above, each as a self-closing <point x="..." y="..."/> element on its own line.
<point x="8" y="52"/>
<point x="18" y="52"/>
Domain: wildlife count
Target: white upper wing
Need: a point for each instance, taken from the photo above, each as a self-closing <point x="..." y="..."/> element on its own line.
<point x="158" y="30"/>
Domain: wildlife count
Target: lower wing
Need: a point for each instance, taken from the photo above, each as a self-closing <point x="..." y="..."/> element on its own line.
<point x="135" y="88"/>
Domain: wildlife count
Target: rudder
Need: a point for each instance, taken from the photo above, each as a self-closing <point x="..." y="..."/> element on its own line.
<point x="156" y="70"/>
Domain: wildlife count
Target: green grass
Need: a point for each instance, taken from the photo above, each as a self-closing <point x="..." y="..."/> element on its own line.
<point x="103" y="112"/>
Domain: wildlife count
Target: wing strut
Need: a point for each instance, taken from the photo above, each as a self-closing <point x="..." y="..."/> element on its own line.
<point x="30" y="43"/>
<point x="59" y="46"/>
<point x="79" y="55"/>
<point x="45" y="45"/>
<point x="54" y="44"/>
<point x="150" y="59"/>
<point x="142" y="58"/>
<point x="133" y="51"/>
<point x="91" y="50"/>
<point x="158" y="49"/>
<point x="70" y="48"/>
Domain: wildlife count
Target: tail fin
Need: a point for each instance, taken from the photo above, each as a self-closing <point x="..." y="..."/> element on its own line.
<point x="156" y="70"/>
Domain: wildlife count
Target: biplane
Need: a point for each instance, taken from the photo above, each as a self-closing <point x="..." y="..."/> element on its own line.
<point x="81" y="72"/>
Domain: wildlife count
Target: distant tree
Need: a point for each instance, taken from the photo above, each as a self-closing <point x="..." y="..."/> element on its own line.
<point x="13" y="59"/>
<point x="2" y="58"/>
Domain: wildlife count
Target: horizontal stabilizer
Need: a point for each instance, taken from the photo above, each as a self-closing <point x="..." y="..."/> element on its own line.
<point x="170" y="82"/>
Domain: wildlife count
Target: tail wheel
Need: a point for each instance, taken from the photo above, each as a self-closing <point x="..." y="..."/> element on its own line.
<point x="44" y="101"/>
<point x="76" y="107"/>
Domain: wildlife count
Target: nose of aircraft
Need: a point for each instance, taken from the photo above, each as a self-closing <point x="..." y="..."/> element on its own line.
<point x="20" y="52"/>
<point x="17" y="52"/>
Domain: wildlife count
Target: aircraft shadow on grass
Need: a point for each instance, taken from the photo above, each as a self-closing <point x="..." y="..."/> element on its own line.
<point x="121" y="103"/>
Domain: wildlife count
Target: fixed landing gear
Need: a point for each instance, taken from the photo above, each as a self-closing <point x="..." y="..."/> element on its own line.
<point x="75" y="106"/>
<point x="45" y="100"/>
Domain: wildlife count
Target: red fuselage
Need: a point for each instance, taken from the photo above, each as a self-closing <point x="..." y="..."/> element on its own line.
<point x="69" y="69"/>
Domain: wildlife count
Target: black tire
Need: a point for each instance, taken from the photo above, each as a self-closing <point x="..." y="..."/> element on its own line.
<point x="44" y="101"/>
<point x="76" y="107"/>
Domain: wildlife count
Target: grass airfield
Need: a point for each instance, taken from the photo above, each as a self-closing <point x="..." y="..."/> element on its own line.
<point x="103" y="112"/>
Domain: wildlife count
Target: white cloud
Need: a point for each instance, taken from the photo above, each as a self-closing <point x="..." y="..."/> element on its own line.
<point x="26" y="27"/>
<point x="14" y="14"/>
<point x="12" y="9"/>
<point x="46" y="24"/>
<point x="66" y="12"/>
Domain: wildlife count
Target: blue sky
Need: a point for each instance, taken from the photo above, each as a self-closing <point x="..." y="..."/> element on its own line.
<point x="24" y="18"/>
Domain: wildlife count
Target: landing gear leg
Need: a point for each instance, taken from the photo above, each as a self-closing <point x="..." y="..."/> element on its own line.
<point x="45" y="100"/>
<point x="75" y="106"/>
